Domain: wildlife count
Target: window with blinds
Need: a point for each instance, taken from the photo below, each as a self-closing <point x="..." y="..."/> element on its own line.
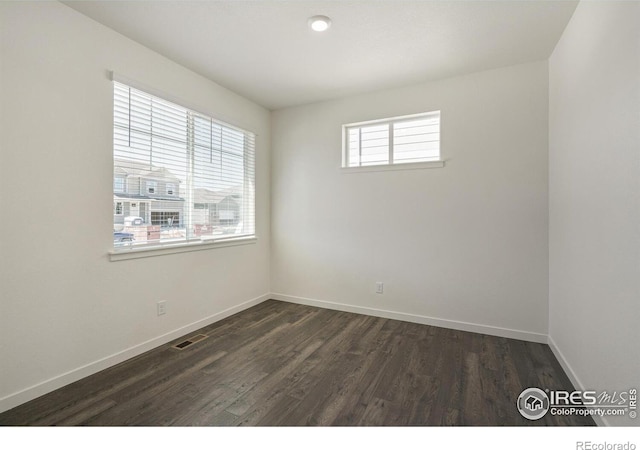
<point x="179" y="176"/>
<point x="399" y="140"/>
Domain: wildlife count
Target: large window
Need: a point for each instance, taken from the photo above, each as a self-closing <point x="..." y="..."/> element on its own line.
<point x="172" y="160"/>
<point x="399" y="140"/>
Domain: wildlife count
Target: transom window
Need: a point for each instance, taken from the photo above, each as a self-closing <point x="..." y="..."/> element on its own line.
<point x="398" y="140"/>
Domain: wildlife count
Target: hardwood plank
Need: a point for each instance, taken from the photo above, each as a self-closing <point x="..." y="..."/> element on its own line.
<point x="141" y="403"/>
<point x="282" y="408"/>
<point x="269" y="390"/>
<point x="377" y="412"/>
<point x="82" y="417"/>
<point x="381" y="349"/>
<point x="475" y="408"/>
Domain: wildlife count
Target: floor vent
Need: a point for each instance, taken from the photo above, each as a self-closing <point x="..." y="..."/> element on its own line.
<point x="192" y="340"/>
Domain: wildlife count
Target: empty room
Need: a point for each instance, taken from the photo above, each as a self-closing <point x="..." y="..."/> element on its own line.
<point x="320" y="213"/>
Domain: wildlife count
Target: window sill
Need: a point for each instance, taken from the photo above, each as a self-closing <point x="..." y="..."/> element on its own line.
<point x="386" y="167"/>
<point x="125" y="253"/>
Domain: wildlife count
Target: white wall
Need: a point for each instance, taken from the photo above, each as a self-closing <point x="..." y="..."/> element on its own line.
<point x="64" y="306"/>
<point x="594" y="171"/>
<point x="466" y="243"/>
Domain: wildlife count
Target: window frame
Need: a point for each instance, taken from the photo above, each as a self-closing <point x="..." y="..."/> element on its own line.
<point x="390" y="164"/>
<point x="190" y="242"/>
<point x="151" y="186"/>
<point x="119" y="184"/>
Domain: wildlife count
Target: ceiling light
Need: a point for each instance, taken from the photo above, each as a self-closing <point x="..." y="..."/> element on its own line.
<point x="319" y="23"/>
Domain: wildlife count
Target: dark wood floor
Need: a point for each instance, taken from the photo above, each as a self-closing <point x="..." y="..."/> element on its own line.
<point x="284" y="364"/>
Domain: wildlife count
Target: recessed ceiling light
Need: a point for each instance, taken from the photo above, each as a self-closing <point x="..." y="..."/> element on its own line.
<point x="319" y="23"/>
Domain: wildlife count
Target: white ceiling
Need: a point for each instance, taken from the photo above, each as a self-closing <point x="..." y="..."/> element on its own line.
<point x="264" y="50"/>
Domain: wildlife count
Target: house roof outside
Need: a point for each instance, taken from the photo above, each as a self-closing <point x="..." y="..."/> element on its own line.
<point x="202" y="195"/>
<point x="160" y="173"/>
<point x="129" y="167"/>
<point x="164" y="198"/>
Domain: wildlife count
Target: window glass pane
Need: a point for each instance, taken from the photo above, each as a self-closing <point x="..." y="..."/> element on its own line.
<point x="414" y="139"/>
<point x="353" y="142"/>
<point x="374" y="142"/>
<point x="118" y="184"/>
<point x="178" y="175"/>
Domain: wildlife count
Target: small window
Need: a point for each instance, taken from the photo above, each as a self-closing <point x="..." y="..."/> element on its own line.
<point x="118" y="184"/>
<point x="171" y="188"/>
<point x="118" y="208"/>
<point x="399" y="140"/>
<point x="151" y="187"/>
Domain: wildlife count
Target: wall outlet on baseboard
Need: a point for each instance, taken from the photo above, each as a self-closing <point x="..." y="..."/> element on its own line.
<point x="379" y="287"/>
<point x="162" y="308"/>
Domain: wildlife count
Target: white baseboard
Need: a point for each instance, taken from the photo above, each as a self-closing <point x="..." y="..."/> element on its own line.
<point x="30" y="393"/>
<point x="577" y="384"/>
<point x="424" y="320"/>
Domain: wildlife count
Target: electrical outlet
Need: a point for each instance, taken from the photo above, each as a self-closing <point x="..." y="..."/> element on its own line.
<point x="162" y="308"/>
<point x="379" y="287"/>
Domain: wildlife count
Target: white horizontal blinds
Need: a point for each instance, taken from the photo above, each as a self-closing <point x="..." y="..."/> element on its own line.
<point x="185" y="176"/>
<point x="353" y="146"/>
<point x="394" y="141"/>
<point x="249" y="199"/>
<point x="223" y="177"/>
<point x="374" y="145"/>
<point x="417" y="140"/>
